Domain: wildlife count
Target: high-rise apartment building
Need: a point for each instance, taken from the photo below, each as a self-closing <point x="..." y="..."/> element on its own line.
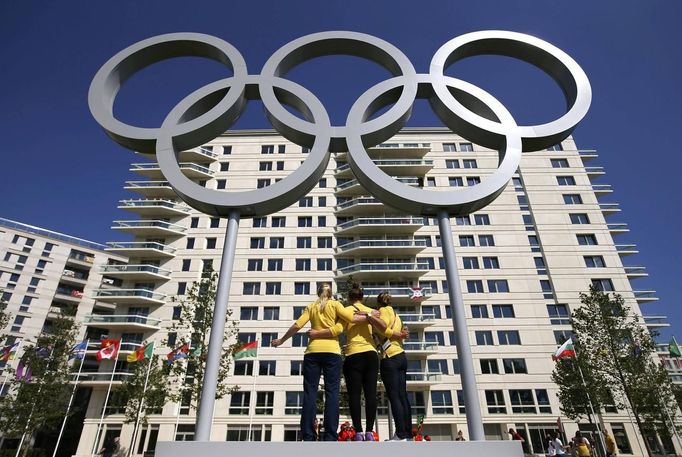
<point x="523" y="261"/>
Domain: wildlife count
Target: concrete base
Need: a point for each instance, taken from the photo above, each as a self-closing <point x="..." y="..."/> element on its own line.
<point x="328" y="449"/>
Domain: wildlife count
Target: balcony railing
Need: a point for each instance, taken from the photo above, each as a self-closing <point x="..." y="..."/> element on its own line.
<point x="626" y="248"/>
<point x="395" y="291"/>
<point x="588" y="154"/>
<point x="393" y="163"/>
<point x="153" y="203"/>
<point x="402" y="146"/>
<point x="125" y="293"/>
<point x="409" y="180"/>
<point x="609" y="207"/>
<point x="122" y="319"/>
<point x="410" y="243"/>
<point x="645" y="295"/>
<point x="184" y="166"/>
<point x="423" y="376"/>
<point x="389" y="266"/>
<point x="618" y="227"/>
<point x="100" y="376"/>
<point x="635" y="271"/>
<point x="139" y="245"/>
<point x="602" y="188"/>
<point x="420" y="346"/>
<point x="149" y="224"/>
<point x="358" y="201"/>
<point x="656" y="321"/>
<point x="416" y="318"/>
<point x="381" y="221"/>
<point x="595" y="170"/>
<point x="153" y="269"/>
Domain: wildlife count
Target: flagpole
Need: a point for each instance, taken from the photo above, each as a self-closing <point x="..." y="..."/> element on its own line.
<point x="589" y="401"/>
<point x="106" y="400"/>
<point x="253" y="389"/>
<point x="4" y="381"/>
<point x="73" y="394"/>
<point x="139" y="410"/>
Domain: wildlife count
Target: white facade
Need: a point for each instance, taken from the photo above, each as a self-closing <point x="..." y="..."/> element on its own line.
<point x="522" y="261"/>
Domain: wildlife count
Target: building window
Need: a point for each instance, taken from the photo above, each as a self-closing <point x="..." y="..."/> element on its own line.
<point x="221" y="183"/>
<point x="251" y="288"/>
<point x="491" y="263"/>
<point x="279" y="221"/>
<point x="321" y="201"/>
<point x="276" y="242"/>
<point x="322" y="184"/>
<point x="305" y="221"/>
<point x="261" y="183"/>
<point x="210" y="243"/>
<point x="559" y="163"/>
<point x="498" y="286"/>
<point x="514" y="366"/>
<point x="294" y="403"/>
<point x="227" y="150"/>
<point x="435" y="337"/>
<point x="299" y="340"/>
<point x="275" y="264"/>
<point x="305" y="202"/>
<point x="565" y="180"/>
<point x="558" y="314"/>
<point x="281" y="148"/>
<point x="452" y="163"/>
<point x="324" y="242"/>
<point x="260" y="222"/>
<point x="265" y="166"/>
<point x="522" y="401"/>
<point x="454" y="181"/>
<point x="255" y="265"/>
<point x="495" y="401"/>
<point x="479" y="311"/>
<point x="441" y="402"/>
<point x="469" y="163"/>
<point x="266" y="339"/>
<point x="470" y="263"/>
<point x="449" y="147"/>
<point x="303" y="264"/>
<point x="248" y="313"/>
<point x="587" y="240"/>
<point x="556" y="147"/>
<point x="214" y="222"/>
<point x="473" y="180"/>
<point x="594" y="261"/>
<point x="273" y="288"/>
<point x="239" y="403"/>
<point x="508" y="337"/>
<point x="545" y="285"/>
<point x="321" y="221"/>
<point x="224" y="166"/>
<point x="486" y="240"/>
<point x="466" y="147"/>
<point x="267" y="149"/>
<point x="503" y="311"/>
<point x="561" y="336"/>
<point x="430" y="182"/>
<point x="301" y="288"/>
<point x="324" y="264"/>
<point x="475" y="286"/>
<point x="605" y="285"/>
<point x="621" y="438"/>
<point x="243" y="367"/>
<point x="182" y="287"/>
<point x="304" y="242"/>
<point x="194" y="222"/>
<point x="466" y="240"/>
<point x="296" y="368"/>
<point x="579" y="218"/>
<point x="462" y="220"/>
<point x="190" y="243"/>
<point x="572" y="199"/>
<point x="186" y="264"/>
<point x="489" y="366"/>
<point x="482" y="219"/>
<point x="484" y="337"/>
<point x="271" y="313"/>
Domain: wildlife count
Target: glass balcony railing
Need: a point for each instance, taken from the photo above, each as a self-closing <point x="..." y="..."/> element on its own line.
<point x="153" y="203"/>
<point x="124" y="293"/>
<point x="402" y="146"/>
<point x="416" y="318"/>
<point x="149" y="224"/>
<point x="183" y="166"/>
<point x="594" y="170"/>
<point x="410" y="243"/>
<point x="153" y="269"/>
<point x="381" y="221"/>
<point x="635" y="271"/>
<point x="395" y="291"/>
<point x="393" y="163"/>
<point x="121" y="319"/>
<point x="602" y="188"/>
<point x="645" y="295"/>
<point x="409" y="180"/>
<point x="423" y="376"/>
<point x="101" y="376"/>
<point x="420" y="346"/>
<point x="392" y="266"/>
<point x="358" y="201"/>
<point x="146" y="184"/>
<point x="82" y="257"/>
<point x="626" y="248"/>
<point x="656" y="321"/>
<point x="618" y="227"/>
<point x="134" y="245"/>
<point x="609" y="206"/>
<point x="126" y="346"/>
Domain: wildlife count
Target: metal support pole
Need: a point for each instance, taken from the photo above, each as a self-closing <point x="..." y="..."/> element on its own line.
<point x="215" y="342"/>
<point x="589" y="401"/>
<point x="73" y="394"/>
<point x="466" y="362"/>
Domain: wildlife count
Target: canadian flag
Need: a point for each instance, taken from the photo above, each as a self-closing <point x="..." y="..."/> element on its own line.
<point x="109" y="349"/>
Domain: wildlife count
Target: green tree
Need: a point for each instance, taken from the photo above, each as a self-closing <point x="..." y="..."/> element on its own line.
<point x="153" y="397"/>
<point x="193" y="327"/>
<point x="4" y="318"/>
<point x="617" y="356"/>
<point x="40" y="403"/>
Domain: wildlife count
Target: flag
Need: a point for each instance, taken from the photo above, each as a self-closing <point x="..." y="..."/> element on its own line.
<point x="141" y="353"/>
<point x="9" y="352"/>
<point x="196" y="352"/>
<point x="78" y="350"/>
<point x="178" y="353"/>
<point x="246" y="350"/>
<point x="109" y="349"/>
<point x="566" y="350"/>
<point x="24" y="373"/>
<point x="76" y="293"/>
<point x="416" y="293"/>
<point x="43" y="352"/>
<point x="673" y="348"/>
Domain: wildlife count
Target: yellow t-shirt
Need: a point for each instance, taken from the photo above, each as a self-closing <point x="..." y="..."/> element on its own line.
<point x="322" y="320"/>
<point x="393" y="327"/>
<point x="359" y="335"/>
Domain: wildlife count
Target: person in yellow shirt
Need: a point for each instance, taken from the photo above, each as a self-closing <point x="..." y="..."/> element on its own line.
<point x="394" y="365"/>
<point x="360" y="367"/>
<point x="611" y="448"/>
<point x="322" y="357"/>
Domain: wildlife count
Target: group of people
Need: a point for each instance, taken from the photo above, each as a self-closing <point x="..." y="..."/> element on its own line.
<point x="578" y="446"/>
<point x="374" y="343"/>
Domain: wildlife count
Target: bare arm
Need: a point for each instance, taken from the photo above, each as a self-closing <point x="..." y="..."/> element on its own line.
<point x="377" y="322"/>
<point x="291" y="332"/>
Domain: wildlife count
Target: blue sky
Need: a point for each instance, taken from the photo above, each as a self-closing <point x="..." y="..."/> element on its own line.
<point x="62" y="173"/>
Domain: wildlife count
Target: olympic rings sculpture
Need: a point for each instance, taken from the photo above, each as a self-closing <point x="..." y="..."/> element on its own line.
<point x="464" y="108"/>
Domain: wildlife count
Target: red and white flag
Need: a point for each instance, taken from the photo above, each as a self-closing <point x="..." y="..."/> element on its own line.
<point x="109" y="349"/>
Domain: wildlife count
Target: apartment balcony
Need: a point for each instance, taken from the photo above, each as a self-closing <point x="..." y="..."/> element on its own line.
<point x="142" y="249"/>
<point x="420" y="348"/>
<point x="73" y="278"/>
<point x="123" y="322"/>
<point x="382" y="225"/>
<point x="69" y="296"/>
<point x="130" y="296"/>
<point x="636" y="272"/>
<point x="400" y="149"/>
<point x="643" y="296"/>
<point x="626" y="249"/>
<point x="81" y="260"/>
<point x="125" y="348"/>
<point x="615" y="229"/>
<point x="360" y="206"/>
<point x="151" y="228"/>
<point x="423" y="378"/>
<point x="417" y="167"/>
<point x="400" y="295"/>
<point x="152" y="170"/>
<point x="366" y="271"/>
<point x="609" y="208"/>
<point x="136" y="272"/>
<point x="200" y="154"/>
<point x="353" y="187"/>
<point x="100" y="378"/>
<point x="588" y="154"/>
<point x="599" y="189"/>
<point x="379" y="247"/>
<point x="655" y="322"/>
<point x="594" y="171"/>
<point x="417" y="320"/>
<point x="154" y="207"/>
<point x="151" y="189"/>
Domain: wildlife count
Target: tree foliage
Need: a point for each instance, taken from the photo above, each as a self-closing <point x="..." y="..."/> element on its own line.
<point x="617" y="356"/>
<point x="40" y="403"/>
<point x="153" y="397"/>
<point x="4" y="318"/>
<point x="193" y="327"/>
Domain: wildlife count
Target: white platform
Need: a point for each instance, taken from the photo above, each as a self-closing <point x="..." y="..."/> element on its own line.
<point x="342" y="449"/>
